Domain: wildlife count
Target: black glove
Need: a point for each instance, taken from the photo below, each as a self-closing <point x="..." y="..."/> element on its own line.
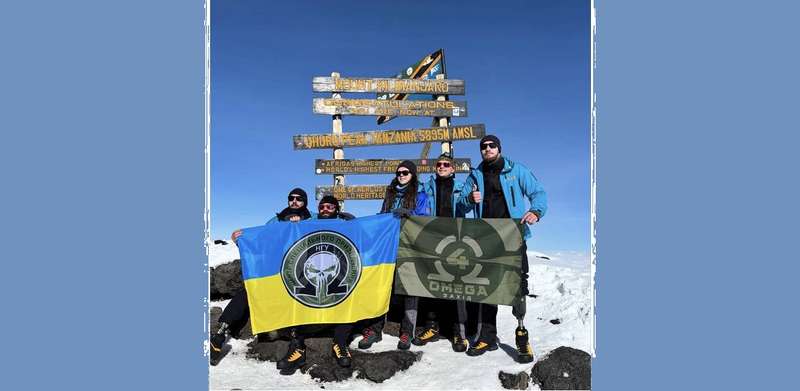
<point x="401" y="212"/>
<point x="346" y="216"/>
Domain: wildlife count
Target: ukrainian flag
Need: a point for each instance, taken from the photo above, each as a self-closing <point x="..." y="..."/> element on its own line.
<point x="318" y="271"/>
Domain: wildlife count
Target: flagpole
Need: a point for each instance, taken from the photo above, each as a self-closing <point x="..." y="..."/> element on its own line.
<point x="338" y="153"/>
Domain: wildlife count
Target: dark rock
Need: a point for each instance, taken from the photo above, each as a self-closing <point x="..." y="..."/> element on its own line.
<point x="215" y="312"/>
<point x="555" y="321"/>
<point x="391" y="328"/>
<point x="220" y="241"/>
<point x="321" y="365"/>
<point x="564" y="369"/>
<point x="226" y="280"/>
<point x="513" y="381"/>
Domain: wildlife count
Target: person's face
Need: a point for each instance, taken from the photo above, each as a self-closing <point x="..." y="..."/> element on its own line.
<point x="403" y="175"/>
<point x="444" y="169"/>
<point x="489" y="150"/>
<point x="295" y="201"/>
<point x="327" y="209"/>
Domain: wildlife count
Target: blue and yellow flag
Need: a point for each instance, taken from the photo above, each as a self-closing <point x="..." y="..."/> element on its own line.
<point x="318" y="271"/>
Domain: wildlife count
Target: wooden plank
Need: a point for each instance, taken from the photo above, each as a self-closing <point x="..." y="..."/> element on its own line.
<point x="352" y="192"/>
<point x="379" y="166"/>
<point x="388" y="85"/>
<point x="418" y="108"/>
<point x="389" y="137"/>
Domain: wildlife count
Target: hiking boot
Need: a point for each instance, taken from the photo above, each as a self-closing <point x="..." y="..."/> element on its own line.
<point x="369" y="337"/>
<point x="524" y="350"/>
<point x="342" y="354"/>
<point x="460" y="345"/>
<point x="403" y="343"/>
<point x="295" y="358"/>
<point x="429" y="335"/>
<point x="216" y="344"/>
<point x="480" y="347"/>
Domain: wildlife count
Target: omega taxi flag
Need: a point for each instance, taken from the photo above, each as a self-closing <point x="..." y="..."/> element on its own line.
<point x="476" y="260"/>
<point x="318" y="271"/>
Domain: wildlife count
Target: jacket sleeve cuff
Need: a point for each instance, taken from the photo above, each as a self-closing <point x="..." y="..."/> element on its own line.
<point x="537" y="213"/>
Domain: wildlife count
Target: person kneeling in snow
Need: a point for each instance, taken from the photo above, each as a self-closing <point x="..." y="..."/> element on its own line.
<point x="237" y="313"/>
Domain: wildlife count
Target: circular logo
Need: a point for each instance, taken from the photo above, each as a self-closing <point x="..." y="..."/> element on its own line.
<point x="456" y="275"/>
<point x="321" y="269"/>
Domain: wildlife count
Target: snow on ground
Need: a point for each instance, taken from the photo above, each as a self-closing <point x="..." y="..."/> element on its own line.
<point x="222" y="253"/>
<point x="563" y="286"/>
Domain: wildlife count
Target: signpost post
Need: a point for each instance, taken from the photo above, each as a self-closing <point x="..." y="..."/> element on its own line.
<point x="338" y="153"/>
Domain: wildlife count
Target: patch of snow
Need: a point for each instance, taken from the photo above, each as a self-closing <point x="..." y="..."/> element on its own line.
<point x="222" y="253"/>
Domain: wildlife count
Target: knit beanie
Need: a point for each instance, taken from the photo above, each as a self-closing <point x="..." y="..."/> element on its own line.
<point x="329" y="199"/>
<point x="409" y="165"/>
<point x="493" y="138"/>
<point x="301" y="193"/>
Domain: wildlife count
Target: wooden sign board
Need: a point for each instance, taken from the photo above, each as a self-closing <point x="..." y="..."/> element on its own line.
<point x="353" y="192"/>
<point x="388" y="85"/>
<point x="380" y="166"/>
<point x="417" y="108"/>
<point x="389" y="137"/>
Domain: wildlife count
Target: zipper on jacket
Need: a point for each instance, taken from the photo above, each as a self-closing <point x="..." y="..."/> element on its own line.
<point x="513" y="199"/>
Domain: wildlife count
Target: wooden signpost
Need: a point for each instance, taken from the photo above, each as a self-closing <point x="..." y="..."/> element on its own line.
<point x="419" y="108"/>
<point x="425" y="77"/>
<point x="389" y="137"/>
<point x="380" y="166"/>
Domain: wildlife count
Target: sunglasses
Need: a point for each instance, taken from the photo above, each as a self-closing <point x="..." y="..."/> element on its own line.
<point x="295" y="198"/>
<point x="488" y="145"/>
<point x="327" y="207"/>
<point x="403" y="173"/>
<point x="443" y="164"/>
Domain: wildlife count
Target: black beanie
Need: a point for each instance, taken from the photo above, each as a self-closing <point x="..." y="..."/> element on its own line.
<point x="301" y="193"/>
<point x="409" y="165"/>
<point x="494" y="138"/>
<point x="329" y="199"/>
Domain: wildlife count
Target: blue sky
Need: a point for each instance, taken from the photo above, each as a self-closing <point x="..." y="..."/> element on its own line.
<point x="525" y="63"/>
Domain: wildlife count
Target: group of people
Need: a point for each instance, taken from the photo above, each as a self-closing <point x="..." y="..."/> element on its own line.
<point x="497" y="188"/>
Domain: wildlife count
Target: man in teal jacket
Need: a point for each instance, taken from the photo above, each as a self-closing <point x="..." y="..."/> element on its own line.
<point x="500" y="187"/>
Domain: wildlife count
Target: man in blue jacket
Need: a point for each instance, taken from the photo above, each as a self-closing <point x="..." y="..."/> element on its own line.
<point x="500" y="187"/>
<point x="443" y="193"/>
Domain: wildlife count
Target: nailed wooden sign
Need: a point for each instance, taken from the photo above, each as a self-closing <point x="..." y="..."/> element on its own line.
<point x="380" y="166"/>
<point x="388" y="85"/>
<point x="388" y="137"/>
<point x="354" y="192"/>
<point x="419" y="108"/>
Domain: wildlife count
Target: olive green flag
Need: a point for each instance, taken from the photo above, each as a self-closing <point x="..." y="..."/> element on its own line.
<point x="475" y="260"/>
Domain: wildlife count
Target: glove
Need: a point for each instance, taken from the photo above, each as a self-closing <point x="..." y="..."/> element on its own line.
<point x="401" y="212"/>
<point x="346" y="216"/>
